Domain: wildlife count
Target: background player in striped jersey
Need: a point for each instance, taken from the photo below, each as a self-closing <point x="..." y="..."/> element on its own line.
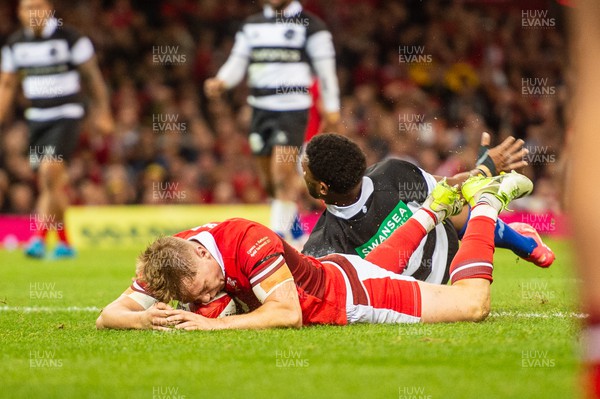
<point x="283" y="288"/>
<point x="49" y="59"/>
<point x="365" y="206"/>
<point x="279" y="48"/>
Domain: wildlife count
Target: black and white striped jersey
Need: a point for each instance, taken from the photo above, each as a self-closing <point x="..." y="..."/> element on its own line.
<point x="47" y="66"/>
<point x="392" y="190"/>
<point x="279" y="50"/>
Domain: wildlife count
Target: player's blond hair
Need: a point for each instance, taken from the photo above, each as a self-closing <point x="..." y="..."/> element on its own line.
<point x="164" y="266"/>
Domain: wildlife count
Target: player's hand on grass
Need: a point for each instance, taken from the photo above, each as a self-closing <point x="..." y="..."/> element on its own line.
<point x="213" y="87"/>
<point x="505" y="157"/>
<point x="184" y="320"/>
<point x="155" y="316"/>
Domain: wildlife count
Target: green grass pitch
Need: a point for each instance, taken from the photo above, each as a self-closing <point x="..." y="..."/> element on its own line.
<point x="527" y="348"/>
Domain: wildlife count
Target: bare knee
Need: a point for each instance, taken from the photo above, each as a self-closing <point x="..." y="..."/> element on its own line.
<point x="475" y="296"/>
<point x="53" y="175"/>
<point x="480" y="308"/>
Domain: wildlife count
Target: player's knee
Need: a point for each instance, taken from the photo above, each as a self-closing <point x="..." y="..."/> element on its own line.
<point x="53" y="175"/>
<point x="480" y="308"/>
<point x="480" y="313"/>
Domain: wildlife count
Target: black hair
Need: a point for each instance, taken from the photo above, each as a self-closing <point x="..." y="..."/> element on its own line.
<point x="336" y="161"/>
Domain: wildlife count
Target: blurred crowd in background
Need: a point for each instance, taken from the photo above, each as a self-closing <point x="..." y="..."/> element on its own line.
<point x="419" y="80"/>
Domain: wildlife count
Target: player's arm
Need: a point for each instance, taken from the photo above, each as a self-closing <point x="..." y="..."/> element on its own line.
<point x="280" y="308"/>
<point x="92" y="78"/>
<point x="133" y="310"/>
<point x="233" y="71"/>
<point x="8" y="87"/>
<point x="320" y="49"/>
<point x="9" y="80"/>
<point x="504" y="157"/>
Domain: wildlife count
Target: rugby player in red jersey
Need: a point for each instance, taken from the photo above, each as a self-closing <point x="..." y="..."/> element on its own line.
<point x="279" y="287"/>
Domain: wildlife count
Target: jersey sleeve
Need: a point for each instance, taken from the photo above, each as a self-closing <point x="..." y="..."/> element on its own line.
<point x="139" y="294"/>
<point x="234" y="69"/>
<point x="262" y="260"/>
<point x="82" y="51"/>
<point x="430" y="180"/>
<point x="8" y="63"/>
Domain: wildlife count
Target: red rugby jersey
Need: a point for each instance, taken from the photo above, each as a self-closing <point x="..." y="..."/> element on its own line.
<point x="255" y="261"/>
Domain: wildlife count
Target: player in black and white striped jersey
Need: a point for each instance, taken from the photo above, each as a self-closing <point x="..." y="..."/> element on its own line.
<point x="365" y="206"/>
<point x="49" y="60"/>
<point x="281" y="49"/>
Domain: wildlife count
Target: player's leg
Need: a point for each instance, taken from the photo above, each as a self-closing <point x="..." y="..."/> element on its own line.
<point x="52" y="144"/>
<point x="54" y="200"/>
<point x="286" y="187"/>
<point x="392" y="298"/>
<point x="264" y="166"/>
<point x="394" y="253"/>
<point x="260" y="131"/>
<point x="38" y="149"/>
<point x="468" y="298"/>
<point x="286" y="143"/>
<point x="529" y="242"/>
<point x="520" y="238"/>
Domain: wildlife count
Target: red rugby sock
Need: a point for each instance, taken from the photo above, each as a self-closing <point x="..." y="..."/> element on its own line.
<point x="393" y="254"/>
<point x="475" y="256"/>
<point x="62" y="234"/>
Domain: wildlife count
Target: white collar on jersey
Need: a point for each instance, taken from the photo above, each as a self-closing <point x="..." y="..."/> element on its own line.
<point x="346" y="212"/>
<point x="51" y="25"/>
<point x="293" y="9"/>
<point x="207" y="239"/>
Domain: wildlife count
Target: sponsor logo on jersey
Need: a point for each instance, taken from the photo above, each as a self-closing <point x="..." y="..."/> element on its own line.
<point x="232" y="284"/>
<point x="276" y="55"/>
<point x="258" y="246"/>
<point x="396" y="218"/>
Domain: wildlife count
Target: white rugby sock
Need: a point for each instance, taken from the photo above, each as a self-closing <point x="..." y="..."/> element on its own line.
<point x="486" y="207"/>
<point x="283" y="214"/>
<point x="426" y="218"/>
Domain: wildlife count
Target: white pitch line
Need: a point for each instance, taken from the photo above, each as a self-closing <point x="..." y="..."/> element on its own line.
<point x="558" y="315"/>
<point x="48" y="309"/>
